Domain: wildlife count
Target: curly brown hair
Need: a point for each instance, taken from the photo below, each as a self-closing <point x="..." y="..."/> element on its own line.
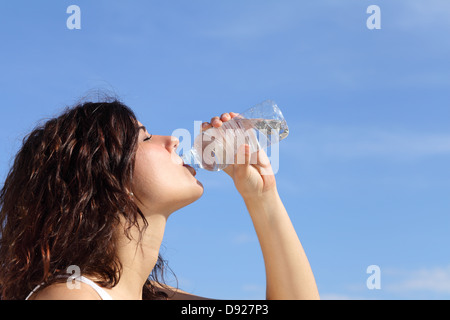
<point x="64" y="197"/>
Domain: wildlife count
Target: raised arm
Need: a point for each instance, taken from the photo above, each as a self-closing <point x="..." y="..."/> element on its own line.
<point x="288" y="273"/>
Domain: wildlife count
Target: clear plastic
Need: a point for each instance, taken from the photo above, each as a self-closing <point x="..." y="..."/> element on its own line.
<point x="259" y="127"/>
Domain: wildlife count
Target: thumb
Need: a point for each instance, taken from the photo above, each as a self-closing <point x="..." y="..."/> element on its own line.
<point x="242" y="162"/>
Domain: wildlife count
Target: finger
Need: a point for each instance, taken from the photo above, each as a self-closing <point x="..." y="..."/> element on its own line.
<point x="263" y="159"/>
<point x="243" y="155"/>
<point x="233" y="114"/>
<point x="263" y="164"/>
<point x="225" y="117"/>
<point x="241" y="167"/>
<point x="216" y="122"/>
<point x="205" y="126"/>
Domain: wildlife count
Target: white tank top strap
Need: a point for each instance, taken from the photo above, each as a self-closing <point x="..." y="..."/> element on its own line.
<point x="100" y="291"/>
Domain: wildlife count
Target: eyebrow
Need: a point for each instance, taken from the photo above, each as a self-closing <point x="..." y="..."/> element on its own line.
<point x="142" y="128"/>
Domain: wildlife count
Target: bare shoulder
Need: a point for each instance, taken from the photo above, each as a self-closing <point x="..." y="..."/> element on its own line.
<point x="60" y="291"/>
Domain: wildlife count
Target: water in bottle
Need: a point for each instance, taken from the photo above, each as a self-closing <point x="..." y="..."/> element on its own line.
<point x="259" y="127"/>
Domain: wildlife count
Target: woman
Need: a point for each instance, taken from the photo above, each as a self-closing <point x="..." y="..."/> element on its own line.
<point x="91" y="190"/>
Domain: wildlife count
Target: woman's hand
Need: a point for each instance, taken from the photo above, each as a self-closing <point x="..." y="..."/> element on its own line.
<point x="252" y="173"/>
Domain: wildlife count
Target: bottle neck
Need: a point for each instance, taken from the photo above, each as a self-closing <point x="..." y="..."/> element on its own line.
<point x="191" y="158"/>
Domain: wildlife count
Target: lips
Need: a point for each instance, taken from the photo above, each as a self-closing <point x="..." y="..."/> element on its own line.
<point x="191" y="170"/>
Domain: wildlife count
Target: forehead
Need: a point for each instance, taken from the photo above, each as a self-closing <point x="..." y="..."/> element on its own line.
<point x="141" y="126"/>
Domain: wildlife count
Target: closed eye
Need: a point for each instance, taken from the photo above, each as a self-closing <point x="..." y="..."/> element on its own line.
<point x="148" y="138"/>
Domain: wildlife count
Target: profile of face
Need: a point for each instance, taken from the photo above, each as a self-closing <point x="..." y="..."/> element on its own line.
<point x="71" y="180"/>
<point x="161" y="182"/>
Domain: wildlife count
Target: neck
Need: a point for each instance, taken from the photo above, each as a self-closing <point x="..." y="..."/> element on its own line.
<point x="138" y="257"/>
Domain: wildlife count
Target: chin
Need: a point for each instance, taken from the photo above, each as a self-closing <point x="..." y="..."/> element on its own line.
<point x="191" y="196"/>
<point x="197" y="192"/>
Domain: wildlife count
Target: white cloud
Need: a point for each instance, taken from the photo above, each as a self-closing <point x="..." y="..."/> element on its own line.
<point x="253" y="291"/>
<point x="435" y="280"/>
<point x="339" y="142"/>
<point x="400" y="284"/>
<point x="244" y="238"/>
<point x="249" y="287"/>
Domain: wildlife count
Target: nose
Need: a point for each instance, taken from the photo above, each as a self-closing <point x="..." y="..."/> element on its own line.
<point x="172" y="143"/>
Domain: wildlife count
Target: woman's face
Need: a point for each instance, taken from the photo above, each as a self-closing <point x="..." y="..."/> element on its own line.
<point x="161" y="183"/>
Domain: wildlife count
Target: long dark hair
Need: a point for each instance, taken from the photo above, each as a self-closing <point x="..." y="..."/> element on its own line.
<point x="64" y="197"/>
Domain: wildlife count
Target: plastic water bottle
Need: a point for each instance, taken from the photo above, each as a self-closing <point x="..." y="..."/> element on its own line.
<point x="259" y="127"/>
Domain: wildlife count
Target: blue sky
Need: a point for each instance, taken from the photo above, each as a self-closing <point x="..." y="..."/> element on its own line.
<point x="364" y="172"/>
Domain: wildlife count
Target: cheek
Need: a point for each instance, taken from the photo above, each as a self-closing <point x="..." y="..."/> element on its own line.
<point x="147" y="172"/>
<point x="157" y="181"/>
<point x="155" y="173"/>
